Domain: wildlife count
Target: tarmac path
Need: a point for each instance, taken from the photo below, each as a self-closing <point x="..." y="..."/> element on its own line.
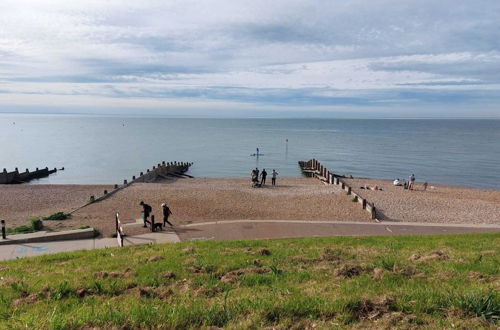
<point x="247" y="229"/>
<point x="265" y="229"/>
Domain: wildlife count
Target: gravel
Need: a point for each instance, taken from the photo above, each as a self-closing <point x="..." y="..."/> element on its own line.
<point x="438" y="204"/>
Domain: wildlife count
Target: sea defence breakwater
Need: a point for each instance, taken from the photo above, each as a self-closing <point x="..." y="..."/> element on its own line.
<point x="160" y="172"/>
<point x="16" y="177"/>
<point x="313" y="168"/>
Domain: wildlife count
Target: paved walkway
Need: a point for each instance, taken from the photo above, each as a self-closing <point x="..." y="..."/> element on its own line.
<point x="262" y="229"/>
<point x="14" y="251"/>
<point x="247" y="229"/>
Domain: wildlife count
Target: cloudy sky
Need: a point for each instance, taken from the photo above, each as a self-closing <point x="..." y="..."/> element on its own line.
<point x="389" y="58"/>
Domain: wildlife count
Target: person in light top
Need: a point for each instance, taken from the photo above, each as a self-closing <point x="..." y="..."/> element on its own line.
<point x="273" y="179"/>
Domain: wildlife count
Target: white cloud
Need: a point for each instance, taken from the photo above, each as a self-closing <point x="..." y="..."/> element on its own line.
<point x="258" y="53"/>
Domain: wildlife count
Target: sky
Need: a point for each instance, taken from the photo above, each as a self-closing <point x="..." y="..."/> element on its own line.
<point x="383" y="58"/>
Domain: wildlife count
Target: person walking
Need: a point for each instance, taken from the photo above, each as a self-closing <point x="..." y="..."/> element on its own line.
<point x="263" y="177"/>
<point x="146" y="210"/>
<point x="166" y="214"/>
<point x="273" y="179"/>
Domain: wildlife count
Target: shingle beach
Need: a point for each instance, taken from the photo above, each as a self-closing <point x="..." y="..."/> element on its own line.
<point x="209" y="199"/>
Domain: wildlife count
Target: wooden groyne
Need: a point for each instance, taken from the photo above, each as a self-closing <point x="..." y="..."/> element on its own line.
<point x="313" y="168"/>
<point x="157" y="173"/>
<point x="15" y="176"/>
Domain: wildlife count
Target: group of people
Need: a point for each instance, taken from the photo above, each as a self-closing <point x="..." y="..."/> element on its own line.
<point x="262" y="175"/>
<point x="410" y="185"/>
<point x="147" y="209"/>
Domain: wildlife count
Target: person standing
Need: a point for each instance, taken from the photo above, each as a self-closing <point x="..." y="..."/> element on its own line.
<point x="412" y="181"/>
<point x="263" y="177"/>
<point x="166" y="214"/>
<point x="146" y="210"/>
<point x="273" y="179"/>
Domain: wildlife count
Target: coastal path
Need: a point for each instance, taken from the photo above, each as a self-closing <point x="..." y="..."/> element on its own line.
<point x="247" y="229"/>
<point x="266" y="229"/>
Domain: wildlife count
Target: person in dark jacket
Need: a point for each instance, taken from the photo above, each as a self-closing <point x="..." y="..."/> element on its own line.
<point x="146" y="209"/>
<point x="166" y="214"/>
<point x="263" y="175"/>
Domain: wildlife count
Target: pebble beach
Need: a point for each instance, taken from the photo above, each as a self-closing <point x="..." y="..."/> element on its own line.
<point x="209" y="199"/>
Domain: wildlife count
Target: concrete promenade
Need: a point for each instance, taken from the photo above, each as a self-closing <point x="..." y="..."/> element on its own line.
<point x="248" y="229"/>
<point x="15" y="251"/>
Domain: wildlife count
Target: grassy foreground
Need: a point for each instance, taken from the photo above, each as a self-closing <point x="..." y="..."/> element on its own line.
<point x="374" y="282"/>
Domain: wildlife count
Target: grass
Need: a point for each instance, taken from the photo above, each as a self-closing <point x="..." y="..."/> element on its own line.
<point x="370" y="282"/>
<point x="35" y="225"/>
<point x="58" y="216"/>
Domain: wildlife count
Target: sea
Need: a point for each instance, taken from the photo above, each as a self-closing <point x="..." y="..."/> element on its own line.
<point x="107" y="150"/>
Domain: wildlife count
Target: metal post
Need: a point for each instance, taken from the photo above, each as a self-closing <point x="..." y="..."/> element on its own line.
<point x="4" y="235"/>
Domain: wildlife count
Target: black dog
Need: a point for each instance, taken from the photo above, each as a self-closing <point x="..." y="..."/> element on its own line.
<point x="158" y="225"/>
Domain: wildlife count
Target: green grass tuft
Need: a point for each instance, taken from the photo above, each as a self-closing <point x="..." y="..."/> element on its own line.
<point x="58" y="216"/>
<point x="486" y="306"/>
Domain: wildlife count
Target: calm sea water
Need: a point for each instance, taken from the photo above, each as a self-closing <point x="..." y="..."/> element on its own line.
<point x="109" y="149"/>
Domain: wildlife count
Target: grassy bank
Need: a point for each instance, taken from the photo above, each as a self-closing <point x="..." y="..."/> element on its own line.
<point x="401" y="282"/>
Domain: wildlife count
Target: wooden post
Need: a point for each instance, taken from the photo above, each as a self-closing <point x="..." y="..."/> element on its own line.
<point x="141" y="174"/>
<point x="105" y="192"/>
<point x="125" y="181"/>
<point x="133" y="177"/>
<point x="119" y="230"/>
<point x="374" y="212"/>
<point x="348" y="190"/>
<point x="92" y="199"/>
<point x="4" y="235"/>
<point x="116" y="186"/>
<point x="152" y="223"/>
<point x="364" y="204"/>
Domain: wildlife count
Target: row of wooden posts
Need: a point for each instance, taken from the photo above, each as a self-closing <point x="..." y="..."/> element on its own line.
<point x="314" y="168"/>
<point x="134" y="178"/>
<point x="21" y="177"/>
